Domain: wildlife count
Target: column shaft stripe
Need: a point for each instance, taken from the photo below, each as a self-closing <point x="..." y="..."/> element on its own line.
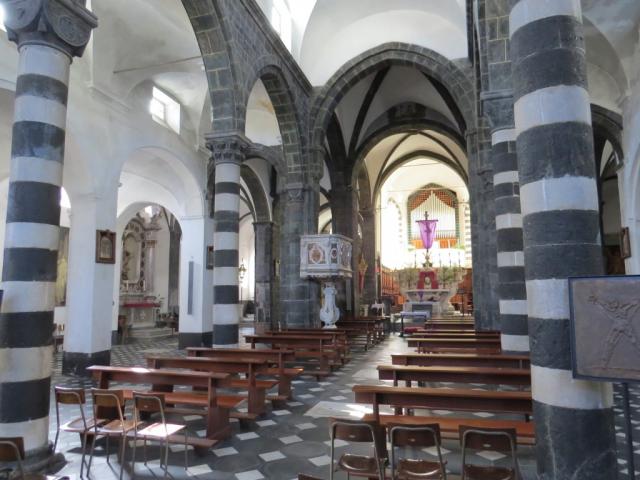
<point x="34" y="432"/>
<point x="509" y="240"/>
<point x="225" y="258"/>
<point x="30" y="264"/>
<point x="227" y="187"/>
<point x="507" y="205"/>
<point x="227" y="202"/>
<point x="507" y="190"/>
<point x="225" y="241"/>
<point x="503" y="136"/>
<point x="37" y="59"/>
<point x="43" y="87"/>
<point x="510" y="259"/>
<point x="508" y="220"/>
<point x="513" y="307"/>
<point x="225" y="275"/>
<point x="28" y="297"/>
<point x="552" y="339"/>
<point x="225" y="334"/>
<point x="506" y="177"/>
<point x="565" y="193"/>
<point x="226" y="294"/>
<point x="514" y="324"/>
<point x="25" y="364"/>
<point x="560" y="389"/>
<point x="556" y="261"/>
<point x="228" y="172"/>
<point x="225" y="314"/>
<point x="22" y="401"/>
<point x="565" y="227"/>
<point x="515" y="343"/>
<point x="37" y="109"/>
<point x="529" y="11"/>
<point x="558" y="104"/>
<point x="33" y="202"/>
<point x="548" y="298"/>
<point x="34" y="169"/>
<point x="32" y="235"/>
<point x="38" y="139"/>
<point x="26" y="329"/>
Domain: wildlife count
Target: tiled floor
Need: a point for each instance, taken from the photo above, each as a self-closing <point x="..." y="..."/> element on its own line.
<point x="290" y="440"/>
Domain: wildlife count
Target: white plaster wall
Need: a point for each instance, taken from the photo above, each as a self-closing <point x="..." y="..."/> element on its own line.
<point x="247" y="256"/>
<point x="161" y="269"/>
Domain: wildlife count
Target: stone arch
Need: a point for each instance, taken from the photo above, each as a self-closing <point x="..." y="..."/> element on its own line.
<point x="283" y="101"/>
<point x="259" y="197"/>
<point x="450" y="75"/>
<point x="213" y="40"/>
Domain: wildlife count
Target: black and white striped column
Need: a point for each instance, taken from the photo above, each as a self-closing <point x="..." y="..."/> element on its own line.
<point x="511" y="285"/>
<point x="48" y="35"/>
<point x="559" y="200"/>
<point x="228" y="155"/>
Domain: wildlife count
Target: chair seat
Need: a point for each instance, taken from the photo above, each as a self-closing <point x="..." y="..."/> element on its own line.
<point x="358" y="465"/>
<point x="476" y="472"/>
<point x="115" y="427"/>
<point x="38" y="476"/>
<point x="409" y="469"/>
<point x="77" y="426"/>
<point x="157" y="430"/>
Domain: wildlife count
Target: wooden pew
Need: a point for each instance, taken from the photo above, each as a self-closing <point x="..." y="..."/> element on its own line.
<point x="250" y="367"/>
<point x="277" y="360"/>
<point x="215" y="407"/>
<point x="361" y="328"/>
<point x="449" y="325"/>
<point x="304" y="346"/>
<point x="444" y="398"/>
<point x="425" y="345"/>
<point x="494" y="376"/>
<point x="461" y="360"/>
<point x="450" y="334"/>
<point x="338" y="338"/>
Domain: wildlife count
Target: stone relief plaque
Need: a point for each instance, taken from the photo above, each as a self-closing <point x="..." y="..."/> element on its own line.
<point x="605" y="327"/>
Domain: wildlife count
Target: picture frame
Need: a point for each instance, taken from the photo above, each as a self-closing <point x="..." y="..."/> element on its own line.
<point x="209" y="259"/>
<point x="105" y="246"/>
<point x="625" y="243"/>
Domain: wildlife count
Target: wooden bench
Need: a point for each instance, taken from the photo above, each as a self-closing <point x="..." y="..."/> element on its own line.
<point x="361" y="328"/>
<point x="251" y="368"/>
<point x="449" y="426"/>
<point x="449" y="325"/>
<point x="338" y="338"/>
<point x="486" y="375"/>
<point x="303" y="346"/>
<point x="425" y="345"/>
<point x="461" y="360"/>
<point x="276" y="359"/>
<point x="214" y="407"/>
<point x="444" y="398"/>
<point x="450" y="334"/>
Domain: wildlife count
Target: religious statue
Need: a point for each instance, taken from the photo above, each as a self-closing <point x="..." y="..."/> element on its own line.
<point x="329" y="313"/>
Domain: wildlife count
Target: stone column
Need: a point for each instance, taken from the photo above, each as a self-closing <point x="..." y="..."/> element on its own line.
<point x="344" y="208"/>
<point x="559" y="199"/>
<point x="48" y="34"/>
<point x="228" y="155"/>
<point x="369" y="253"/>
<point x="264" y="270"/>
<point x="298" y="297"/>
<point x="511" y="280"/>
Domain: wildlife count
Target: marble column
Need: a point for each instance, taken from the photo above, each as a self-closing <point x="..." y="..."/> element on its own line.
<point x="228" y="154"/>
<point x="48" y="34"/>
<point x="263" y="270"/>
<point x="575" y="435"/>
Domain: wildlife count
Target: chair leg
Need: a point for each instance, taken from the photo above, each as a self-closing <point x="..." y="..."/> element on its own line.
<point x="186" y="453"/>
<point x="133" y="456"/>
<point x="123" y="449"/>
<point x="107" y="448"/>
<point x="166" y="458"/>
<point x="144" y="445"/>
<point x="84" y="449"/>
<point x="55" y="442"/>
<point x="93" y="446"/>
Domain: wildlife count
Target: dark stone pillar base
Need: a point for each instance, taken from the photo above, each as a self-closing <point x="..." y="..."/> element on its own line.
<point x="225" y="334"/>
<point x="43" y="460"/>
<point x="189" y="339"/>
<point x="76" y="363"/>
<point x="115" y="338"/>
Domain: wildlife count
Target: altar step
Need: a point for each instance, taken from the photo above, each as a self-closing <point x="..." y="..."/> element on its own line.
<point x="147" y="333"/>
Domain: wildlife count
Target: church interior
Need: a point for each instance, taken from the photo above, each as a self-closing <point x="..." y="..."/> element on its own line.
<point x="319" y="239"/>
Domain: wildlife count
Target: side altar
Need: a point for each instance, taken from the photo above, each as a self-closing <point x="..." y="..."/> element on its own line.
<point x="326" y="258"/>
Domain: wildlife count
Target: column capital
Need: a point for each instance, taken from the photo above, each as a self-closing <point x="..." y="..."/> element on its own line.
<point x="62" y="24"/>
<point x="296" y="192"/>
<point x="228" y="147"/>
<point x="263" y="224"/>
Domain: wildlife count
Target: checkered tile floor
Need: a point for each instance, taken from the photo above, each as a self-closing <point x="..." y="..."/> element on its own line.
<point x="287" y="441"/>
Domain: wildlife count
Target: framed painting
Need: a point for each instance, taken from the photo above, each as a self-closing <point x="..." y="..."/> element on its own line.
<point x="105" y="246"/>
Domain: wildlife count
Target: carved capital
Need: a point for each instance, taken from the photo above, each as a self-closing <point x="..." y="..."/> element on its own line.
<point x="229" y="148"/>
<point x="295" y="192"/>
<point x="62" y="24"/>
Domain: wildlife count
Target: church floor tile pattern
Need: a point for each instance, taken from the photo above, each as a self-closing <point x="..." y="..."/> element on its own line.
<point x="291" y="439"/>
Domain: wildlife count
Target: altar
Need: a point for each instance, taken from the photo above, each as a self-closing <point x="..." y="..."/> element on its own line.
<point x="140" y="309"/>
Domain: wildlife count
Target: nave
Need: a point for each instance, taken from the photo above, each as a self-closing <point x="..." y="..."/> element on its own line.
<point x="284" y="441"/>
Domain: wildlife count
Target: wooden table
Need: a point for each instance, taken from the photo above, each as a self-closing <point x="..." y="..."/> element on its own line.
<point x="163" y="381"/>
<point x="486" y="375"/>
<point x="461" y="360"/>
<point x="277" y="360"/>
<point x="250" y="367"/>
